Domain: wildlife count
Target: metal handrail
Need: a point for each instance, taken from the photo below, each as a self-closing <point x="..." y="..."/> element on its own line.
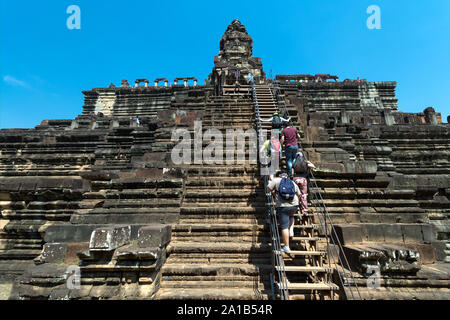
<point x="326" y="222"/>
<point x="332" y="236"/>
<point x="277" y="259"/>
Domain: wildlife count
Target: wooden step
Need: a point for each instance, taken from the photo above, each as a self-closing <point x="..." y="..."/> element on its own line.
<point x="311" y="286"/>
<point x="213" y="294"/>
<point x="303" y="253"/>
<point x="305" y="269"/>
<point x="306" y="239"/>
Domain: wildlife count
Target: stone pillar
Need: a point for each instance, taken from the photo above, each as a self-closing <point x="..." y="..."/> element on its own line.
<point x="388" y="118"/>
<point x="195" y="83"/>
<point x="166" y="83"/>
<point x="156" y="83"/>
<point x="185" y="82"/>
<point x="344" y="117"/>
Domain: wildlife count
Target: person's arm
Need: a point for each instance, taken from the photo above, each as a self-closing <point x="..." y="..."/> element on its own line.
<point x="298" y="192"/>
<point x="271" y="186"/>
<point x="311" y="165"/>
<point x="262" y="149"/>
<point x="285" y="120"/>
<point x="282" y="138"/>
<point x="268" y="120"/>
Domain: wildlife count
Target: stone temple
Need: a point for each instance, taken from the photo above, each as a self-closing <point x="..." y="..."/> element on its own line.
<point x="96" y="208"/>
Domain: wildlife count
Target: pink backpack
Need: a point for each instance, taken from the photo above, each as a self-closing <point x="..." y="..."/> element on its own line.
<point x="276" y="146"/>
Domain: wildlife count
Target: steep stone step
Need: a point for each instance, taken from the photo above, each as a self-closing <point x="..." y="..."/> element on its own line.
<point x="138" y="193"/>
<point x="210" y="247"/>
<point x="54" y="215"/>
<point x="228" y="209"/>
<point x="212" y="294"/>
<point x="219" y="218"/>
<point x="223" y="195"/>
<point x="224" y="284"/>
<point x="126" y="218"/>
<point x="140" y="203"/>
<point x="220" y="258"/>
<point x="224" y="237"/>
<point x="25" y="254"/>
<point x="223" y="182"/>
<point x="214" y="269"/>
<point x="136" y="211"/>
<point x="216" y="227"/>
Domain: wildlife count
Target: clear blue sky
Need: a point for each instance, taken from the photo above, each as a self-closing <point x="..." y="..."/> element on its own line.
<point x="44" y="66"/>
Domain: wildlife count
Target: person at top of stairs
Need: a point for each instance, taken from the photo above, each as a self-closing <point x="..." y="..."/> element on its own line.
<point x="237" y="73"/>
<point x="286" y="207"/>
<point x="277" y="121"/>
<point x="289" y="137"/>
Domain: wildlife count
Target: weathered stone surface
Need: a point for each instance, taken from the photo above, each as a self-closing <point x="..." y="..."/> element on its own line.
<point x="388" y="258"/>
<point x="69" y="233"/>
<point x="154" y="236"/>
<point x="138" y="253"/>
<point x="349" y="234"/>
<point x="52" y="252"/>
<point x="109" y="238"/>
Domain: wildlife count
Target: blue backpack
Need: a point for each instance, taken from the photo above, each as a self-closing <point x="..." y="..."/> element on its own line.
<point x="287" y="189"/>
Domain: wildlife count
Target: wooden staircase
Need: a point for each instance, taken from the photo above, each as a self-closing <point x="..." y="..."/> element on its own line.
<point x="308" y="275"/>
<point x="267" y="105"/>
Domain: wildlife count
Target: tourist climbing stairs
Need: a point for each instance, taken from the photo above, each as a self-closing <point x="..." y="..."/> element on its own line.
<point x="313" y="269"/>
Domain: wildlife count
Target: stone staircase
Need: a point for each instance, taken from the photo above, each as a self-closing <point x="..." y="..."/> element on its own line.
<point x="220" y="246"/>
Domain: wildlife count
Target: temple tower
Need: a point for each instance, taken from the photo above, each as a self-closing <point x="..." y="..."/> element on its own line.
<point x="236" y="48"/>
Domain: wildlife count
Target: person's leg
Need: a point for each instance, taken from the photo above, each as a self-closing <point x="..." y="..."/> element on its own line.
<point x="289" y="160"/>
<point x="294" y="154"/>
<point x="285" y="236"/>
<point x="284" y="224"/>
<point x="303" y="185"/>
<point x="291" y="226"/>
<point x="291" y="151"/>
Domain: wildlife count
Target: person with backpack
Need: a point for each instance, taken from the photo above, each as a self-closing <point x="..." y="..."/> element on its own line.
<point x="272" y="149"/>
<point x="286" y="194"/>
<point x="289" y="137"/>
<point x="277" y="121"/>
<point x="301" y="169"/>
